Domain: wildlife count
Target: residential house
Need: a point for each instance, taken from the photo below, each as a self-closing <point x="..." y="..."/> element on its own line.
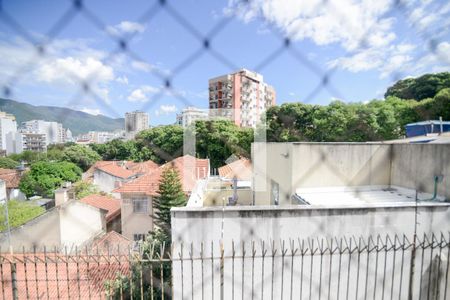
<point x="137" y="195"/>
<point x="109" y="176"/>
<point x="109" y="204"/>
<point x="240" y="170"/>
<point x="12" y="179"/>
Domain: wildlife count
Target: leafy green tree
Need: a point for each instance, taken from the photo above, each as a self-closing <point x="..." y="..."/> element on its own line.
<point x="219" y="139"/>
<point x="19" y="212"/>
<point x="83" y="189"/>
<point x="29" y="156"/>
<point x="162" y="142"/>
<point x="442" y="105"/>
<point x="123" y="150"/>
<point x="8" y="163"/>
<point x="44" y="178"/>
<point x="170" y="194"/>
<point x="82" y="156"/>
<point x="423" y="87"/>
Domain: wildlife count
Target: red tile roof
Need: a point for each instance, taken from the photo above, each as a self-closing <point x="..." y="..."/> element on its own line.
<point x="112" y="243"/>
<point x="190" y="169"/>
<point x="57" y="276"/>
<point x="116" y="170"/>
<point x="11" y="178"/>
<point x="104" y="202"/>
<point x="142" y="167"/>
<point x="241" y="169"/>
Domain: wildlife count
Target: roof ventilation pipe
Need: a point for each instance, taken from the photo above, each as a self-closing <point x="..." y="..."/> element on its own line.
<point x="437" y="179"/>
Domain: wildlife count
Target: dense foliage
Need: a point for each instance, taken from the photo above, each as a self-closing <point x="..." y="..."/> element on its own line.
<point x="216" y="140"/>
<point x="19" y="212"/>
<point x="122" y="150"/>
<point x="45" y="177"/>
<point x="83" y="189"/>
<point x="352" y="122"/>
<point x="8" y="163"/>
<point x="425" y="86"/>
<point x="82" y="156"/>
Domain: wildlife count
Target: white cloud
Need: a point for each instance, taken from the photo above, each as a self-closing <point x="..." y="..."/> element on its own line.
<point x="92" y="111"/>
<point x="125" y="27"/>
<point x="72" y="70"/>
<point x="142" y="94"/>
<point x="122" y="79"/>
<point x="345" y="22"/>
<point x="67" y="64"/>
<point x="141" y="66"/>
<point x="168" y="108"/>
<point x="364" y="29"/>
<point x="165" y="110"/>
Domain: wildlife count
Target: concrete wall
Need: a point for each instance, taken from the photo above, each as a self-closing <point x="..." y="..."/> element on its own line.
<point x="304" y="165"/>
<point x="272" y="162"/>
<point x="135" y="223"/>
<point x="295" y="165"/>
<point x="292" y="222"/>
<point x="414" y="166"/>
<point x="16" y="194"/>
<point x="105" y="182"/>
<point x="79" y="223"/>
<point x="70" y="224"/>
<point x="206" y="232"/>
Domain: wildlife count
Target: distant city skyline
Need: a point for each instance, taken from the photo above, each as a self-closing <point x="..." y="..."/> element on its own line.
<point x="363" y="47"/>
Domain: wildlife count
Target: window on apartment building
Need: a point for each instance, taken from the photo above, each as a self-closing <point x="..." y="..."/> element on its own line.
<point x="140" y="205"/>
<point x="138" y="237"/>
<point x="275" y="193"/>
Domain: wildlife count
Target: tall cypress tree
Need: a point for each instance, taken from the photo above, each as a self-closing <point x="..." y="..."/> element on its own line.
<point x="170" y="194"/>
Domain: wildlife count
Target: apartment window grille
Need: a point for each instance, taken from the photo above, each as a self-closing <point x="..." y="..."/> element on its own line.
<point x="140" y="206"/>
<point x="138" y="237"/>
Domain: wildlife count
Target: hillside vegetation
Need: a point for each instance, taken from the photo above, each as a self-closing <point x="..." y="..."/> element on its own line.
<point x="77" y="121"/>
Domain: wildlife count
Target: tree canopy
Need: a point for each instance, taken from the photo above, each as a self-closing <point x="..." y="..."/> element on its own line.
<point x="425" y="86"/>
<point x="83" y="157"/>
<point x="352" y="122"/>
<point x="44" y="178"/>
<point x="8" y="163"/>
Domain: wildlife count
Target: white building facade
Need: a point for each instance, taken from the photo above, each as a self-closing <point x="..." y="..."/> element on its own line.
<point x="191" y="114"/>
<point x="136" y="121"/>
<point x="8" y="126"/>
<point x="53" y="131"/>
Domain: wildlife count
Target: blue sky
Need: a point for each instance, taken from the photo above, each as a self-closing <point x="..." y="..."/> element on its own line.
<point x="364" y="46"/>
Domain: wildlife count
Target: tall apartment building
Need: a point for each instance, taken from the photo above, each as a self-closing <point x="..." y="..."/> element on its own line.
<point x="54" y="132"/>
<point x="242" y="97"/>
<point x="8" y="125"/>
<point x="33" y="141"/>
<point x="191" y="114"/>
<point x="135" y="121"/>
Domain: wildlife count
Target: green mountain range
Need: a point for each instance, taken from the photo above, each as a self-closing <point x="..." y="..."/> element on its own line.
<point x="77" y="121"/>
